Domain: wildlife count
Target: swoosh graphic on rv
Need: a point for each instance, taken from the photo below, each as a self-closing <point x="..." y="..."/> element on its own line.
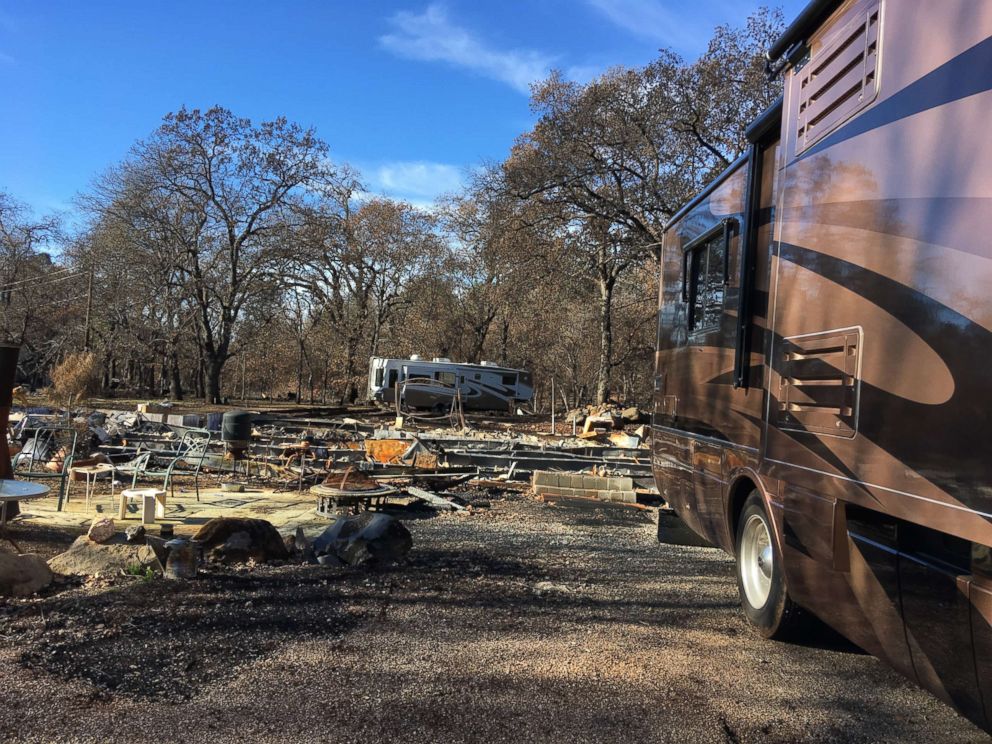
<point x="959" y="77"/>
<point x="941" y="221"/>
<point x="962" y="425"/>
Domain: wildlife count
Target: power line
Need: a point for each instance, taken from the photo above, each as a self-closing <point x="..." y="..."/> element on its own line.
<point x="46" y="304"/>
<point x="43" y="276"/>
<point x="37" y="282"/>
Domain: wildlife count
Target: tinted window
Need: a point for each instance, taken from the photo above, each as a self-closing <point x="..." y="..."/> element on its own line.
<point x="446" y="377"/>
<point x="706" y="287"/>
<point x="510" y="380"/>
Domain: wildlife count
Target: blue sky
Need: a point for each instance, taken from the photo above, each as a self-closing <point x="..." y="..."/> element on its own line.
<point x="411" y="92"/>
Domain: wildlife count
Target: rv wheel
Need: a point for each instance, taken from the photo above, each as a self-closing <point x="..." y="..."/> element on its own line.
<point x="760" y="580"/>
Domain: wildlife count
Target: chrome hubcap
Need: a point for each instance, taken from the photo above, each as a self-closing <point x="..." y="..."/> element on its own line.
<point x="756" y="561"/>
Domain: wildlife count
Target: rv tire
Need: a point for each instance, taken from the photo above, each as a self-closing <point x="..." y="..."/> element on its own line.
<point x="760" y="577"/>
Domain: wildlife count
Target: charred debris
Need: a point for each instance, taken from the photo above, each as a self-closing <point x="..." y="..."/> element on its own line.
<point x="350" y="458"/>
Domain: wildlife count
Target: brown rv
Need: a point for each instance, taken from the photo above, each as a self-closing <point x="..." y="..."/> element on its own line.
<point x="823" y="388"/>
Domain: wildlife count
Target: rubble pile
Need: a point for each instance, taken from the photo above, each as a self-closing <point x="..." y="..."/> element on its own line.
<point x="350" y="466"/>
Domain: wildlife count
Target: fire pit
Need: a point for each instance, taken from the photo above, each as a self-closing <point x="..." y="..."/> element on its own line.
<point x="349" y="490"/>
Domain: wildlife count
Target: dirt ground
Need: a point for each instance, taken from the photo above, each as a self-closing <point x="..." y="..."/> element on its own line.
<point x="520" y="622"/>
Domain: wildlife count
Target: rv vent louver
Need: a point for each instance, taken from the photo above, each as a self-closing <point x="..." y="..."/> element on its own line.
<point x="819" y="383"/>
<point x="839" y="79"/>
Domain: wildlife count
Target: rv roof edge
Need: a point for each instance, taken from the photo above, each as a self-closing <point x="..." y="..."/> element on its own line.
<point x="707" y="191"/>
<point x="767" y="121"/>
<point x="808" y="20"/>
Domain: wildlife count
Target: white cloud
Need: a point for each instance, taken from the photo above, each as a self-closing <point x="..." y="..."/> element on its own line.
<point x="651" y="19"/>
<point x="416" y="181"/>
<point x="584" y="73"/>
<point x="431" y="36"/>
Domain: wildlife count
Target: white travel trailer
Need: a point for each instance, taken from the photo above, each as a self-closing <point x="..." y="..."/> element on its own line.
<point x="432" y="384"/>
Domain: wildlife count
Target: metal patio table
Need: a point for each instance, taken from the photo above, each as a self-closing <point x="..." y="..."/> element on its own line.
<point x="17" y="490"/>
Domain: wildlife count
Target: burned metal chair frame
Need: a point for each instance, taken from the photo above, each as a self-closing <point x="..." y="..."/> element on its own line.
<point x="154" y="464"/>
<point x="47" y="443"/>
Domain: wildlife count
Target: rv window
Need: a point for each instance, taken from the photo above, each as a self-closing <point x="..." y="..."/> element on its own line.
<point x="510" y="380"/>
<point x="378" y="377"/>
<point x="706" y="284"/>
<point x="446" y="377"/>
<point x="478" y="376"/>
<point x="392" y="378"/>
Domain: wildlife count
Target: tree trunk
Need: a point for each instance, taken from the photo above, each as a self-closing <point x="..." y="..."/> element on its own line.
<point x="605" y="339"/>
<point x="201" y="384"/>
<point x="350" y="390"/>
<point x="175" y="375"/>
<point x="214" y="369"/>
<point x="299" y="371"/>
<point x="504" y="340"/>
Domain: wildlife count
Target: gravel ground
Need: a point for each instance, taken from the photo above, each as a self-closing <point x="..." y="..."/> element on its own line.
<point x="524" y="621"/>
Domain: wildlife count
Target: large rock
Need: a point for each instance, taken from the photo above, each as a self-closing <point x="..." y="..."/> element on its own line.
<point x="365" y="537"/>
<point x="21" y="575"/>
<point x="87" y="558"/>
<point x="261" y="541"/>
<point x="101" y="530"/>
<point x="631" y="415"/>
<point x="578" y="415"/>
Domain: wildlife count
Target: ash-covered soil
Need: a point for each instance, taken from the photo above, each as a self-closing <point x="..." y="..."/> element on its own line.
<point x="520" y="622"/>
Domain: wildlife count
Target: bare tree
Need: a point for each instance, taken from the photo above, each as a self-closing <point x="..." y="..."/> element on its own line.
<point x="219" y="187"/>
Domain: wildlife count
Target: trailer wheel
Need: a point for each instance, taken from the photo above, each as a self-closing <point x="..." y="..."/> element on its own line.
<point x="760" y="578"/>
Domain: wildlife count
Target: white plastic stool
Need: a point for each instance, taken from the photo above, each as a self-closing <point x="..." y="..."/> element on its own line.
<point x="152" y="503"/>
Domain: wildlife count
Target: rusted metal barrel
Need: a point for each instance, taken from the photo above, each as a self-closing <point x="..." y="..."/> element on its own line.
<point x="235" y="432"/>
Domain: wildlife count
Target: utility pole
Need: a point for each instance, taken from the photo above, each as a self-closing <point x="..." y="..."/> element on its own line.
<point x="89" y="310"/>
<point x="552" y="405"/>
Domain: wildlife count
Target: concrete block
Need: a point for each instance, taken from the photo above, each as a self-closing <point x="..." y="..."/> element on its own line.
<point x="544" y="478"/>
<point x="593" y="482"/>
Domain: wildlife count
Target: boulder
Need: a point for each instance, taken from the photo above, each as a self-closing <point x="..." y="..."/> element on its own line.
<point x="87" y="558"/>
<point x="21" y="575"/>
<point x="578" y="415"/>
<point x="264" y="543"/>
<point x="135" y="534"/>
<point x="357" y="539"/>
<point x="631" y="415"/>
<point x="101" y="530"/>
<point x="237" y="548"/>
